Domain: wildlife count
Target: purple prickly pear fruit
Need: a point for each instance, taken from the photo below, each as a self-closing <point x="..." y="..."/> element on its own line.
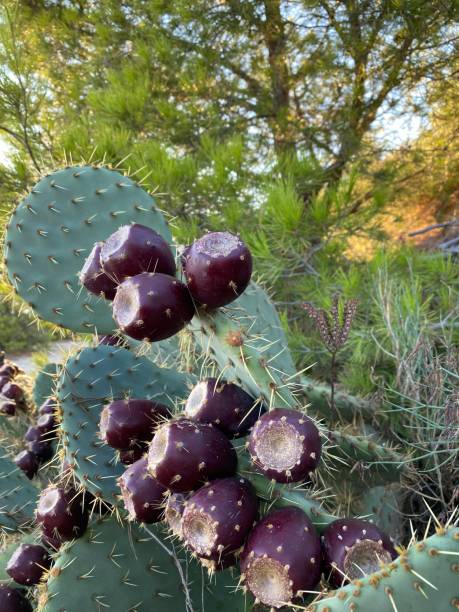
<point x="28" y="564"/>
<point x="143" y="495"/>
<point x="8" y="408"/>
<point x="133" y="249"/>
<point x="152" y="307"/>
<point x="46" y="425"/>
<point x="13" y="392"/>
<point x="173" y="512"/>
<point x="285" y="445"/>
<point x="48" y="406"/>
<point x="8" y="371"/>
<point x="51" y="540"/>
<point x="125" y="424"/>
<point x="131" y="455"/>
<point x="354" y="548"/>
<point x="217" y="268"/>
<point x="43" y="450"/>
<point x="13" y="600"/>
<point x="281" y="557"/>
<point x="224" y="405"/>
<point x="184" y="454"/>
<point x="28" y="462"/>
<point x="33" y="434"/>
<point x="4" y="380"/>
<point x="61" y="513"/>
<point x="93" y="277"/>
<point x="218" y="517"/>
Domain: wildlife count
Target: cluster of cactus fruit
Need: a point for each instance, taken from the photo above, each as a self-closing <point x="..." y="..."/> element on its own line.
<point x="210" y="462"/>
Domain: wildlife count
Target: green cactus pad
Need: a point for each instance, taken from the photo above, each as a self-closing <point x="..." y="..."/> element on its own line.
<point x="422" y="579"/>
<point x="92" y="378"/>
<point x="248" y="343"/>
<point x="53" y="230"/>
<point x="383" y="505"/>
<point x="44" y="383"/>
<point x="18" y="495"/>
<point x="121" y="567"/>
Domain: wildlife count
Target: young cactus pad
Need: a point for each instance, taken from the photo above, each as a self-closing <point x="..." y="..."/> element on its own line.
<point x="119" y="567"/>
<point x="44" y="383"/>
<point x="92" y="378"/>
<point x="424" y="578"/>
<point x="53" y="230"/>
<point x="247" y="342"/>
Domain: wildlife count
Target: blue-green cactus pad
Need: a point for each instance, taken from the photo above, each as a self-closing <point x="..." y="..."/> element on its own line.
<point x="91" y="379"/>
<point x="53" y="230"/>
<point x="44" y="383"/>
<point x="18" y="496"/>
<point x="248" y="343"/>
<point x="119" y="567"/>
<point x="423" y="579"/>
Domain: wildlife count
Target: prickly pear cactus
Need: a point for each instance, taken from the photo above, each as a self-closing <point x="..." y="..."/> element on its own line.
<point x="53" y="230"/>
<point x="45" y="382"/>
<point x="124" y="565"/>
<point x="121" y="567"/>
<point x="18" y="495"/>
<point x="94" y="377"/>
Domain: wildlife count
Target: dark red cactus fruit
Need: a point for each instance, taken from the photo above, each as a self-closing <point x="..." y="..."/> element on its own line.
<point x="61" y="513"/>
<point x="93" y="277"/>
<point x="13" y="600"/>
<point x="51" y="540"/>
<point x="126" y="424"/>
<point x="33" y="434"/>
<point x="354" y="548"/>
<point x="285" y="445"/>
<point x="217" y="268"/>
<point x="9" y="370"/>
<point x="219" y="565"/>
<point x="28" y="564"/>
<point x="13" y="392"/>
<point x="8" y="407"/>
<point x="184" y="454"/>
<point x="43" y="450"/>
<point x="218" y="517"/>
<point x="28" y="462"/>
<point x="4" y="380"/>
<point x="48" y="406"/>
<point x="143" y="495"/>
<point x="46" y="425"/>
<point x="130" y="456"/>
<point x="152" y="307"/>
<point x="224" y="405"/>
<point x="133" y="249"/>
<point x="281" y="557"/>
<point x="173" y="512"/>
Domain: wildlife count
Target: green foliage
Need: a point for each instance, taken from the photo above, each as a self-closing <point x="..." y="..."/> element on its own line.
<point x="18" y="333"/>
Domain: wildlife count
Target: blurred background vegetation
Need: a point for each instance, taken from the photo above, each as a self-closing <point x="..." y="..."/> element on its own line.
<point x="323" y="131"/>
